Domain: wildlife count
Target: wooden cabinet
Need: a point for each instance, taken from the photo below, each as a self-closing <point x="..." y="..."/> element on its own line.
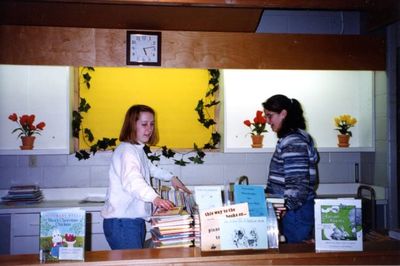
<point x="46" y="92"/>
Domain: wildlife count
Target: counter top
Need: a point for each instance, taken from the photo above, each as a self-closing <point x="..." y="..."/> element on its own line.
<point x="375" y="252"/>
<point x="48" y="205"/>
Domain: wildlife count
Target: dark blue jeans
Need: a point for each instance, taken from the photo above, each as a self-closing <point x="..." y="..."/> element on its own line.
<point x="125" y="233"/>
<point x="298" y="224"/>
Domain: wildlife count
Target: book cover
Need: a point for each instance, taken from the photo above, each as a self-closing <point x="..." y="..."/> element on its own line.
<point x="338" y="225"/>
<point x="208" y="197"/>
<point x="175" y="211"/>
<point x="244" y="233"/>
<point x="254" y="196"/>
<point x="210" y="226"/>
<point x="62" y="235"/>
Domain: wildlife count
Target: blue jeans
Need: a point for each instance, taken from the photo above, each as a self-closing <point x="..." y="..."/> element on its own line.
<point x="298" y="224"/>
<point x="125" y="233"/>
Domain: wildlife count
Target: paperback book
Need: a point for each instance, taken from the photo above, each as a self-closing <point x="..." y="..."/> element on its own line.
<point x="244" y="233"/>
<point x="208" y="197"/>
<point x="338" y="225"/>
<point x="254" y="196"/>
<point x="62" y="234"/>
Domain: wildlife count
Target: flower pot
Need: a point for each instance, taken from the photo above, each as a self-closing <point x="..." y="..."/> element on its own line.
<point x="257" y="141"/>
<point x="343" y="141"/>
<point x="27" y="142"/>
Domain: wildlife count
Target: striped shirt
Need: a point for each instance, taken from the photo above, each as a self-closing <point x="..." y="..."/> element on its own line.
<point x="293" y="169"/>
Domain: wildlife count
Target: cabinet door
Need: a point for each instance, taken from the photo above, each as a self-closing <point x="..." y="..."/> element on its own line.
<point x="95" y="235"/>
<point x="44" y="91"/>
<point x="5" y="222"/>
<point x="25" y="233"/>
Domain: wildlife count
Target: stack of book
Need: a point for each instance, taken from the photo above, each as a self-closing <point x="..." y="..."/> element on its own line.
<point x="23" y="194"/>
<point x="196" y="229"/>
<point x="180" y="199"/>
<point x="172" y="228"/>
<point x="278" y="205"/>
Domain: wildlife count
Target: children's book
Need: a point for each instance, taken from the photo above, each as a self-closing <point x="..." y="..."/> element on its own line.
<point x="338" y="225"/>
<point x="159" y="212"/>
<point x="208" y="197"/>
<point x="62" y="234"/>
<point x="254" y="196"/>
<point x="244" y="233"/>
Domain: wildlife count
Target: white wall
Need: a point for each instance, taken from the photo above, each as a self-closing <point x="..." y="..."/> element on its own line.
<point x="322" y="94"/>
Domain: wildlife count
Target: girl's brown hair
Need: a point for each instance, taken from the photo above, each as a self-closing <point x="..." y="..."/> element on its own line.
<point x="128" y="130"/>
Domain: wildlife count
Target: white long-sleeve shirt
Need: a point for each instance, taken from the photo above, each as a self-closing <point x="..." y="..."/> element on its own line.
<point x="130" y="194"/>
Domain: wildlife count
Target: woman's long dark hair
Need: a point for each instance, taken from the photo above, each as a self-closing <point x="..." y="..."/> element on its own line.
<point x="128" y="130"/>
<point x="294" y="118"/>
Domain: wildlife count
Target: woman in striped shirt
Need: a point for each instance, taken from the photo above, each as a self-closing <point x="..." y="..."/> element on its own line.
<point x="293" y="167"/>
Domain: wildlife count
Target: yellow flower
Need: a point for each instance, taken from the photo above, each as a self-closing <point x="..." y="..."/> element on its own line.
<point x="344" y="122"/>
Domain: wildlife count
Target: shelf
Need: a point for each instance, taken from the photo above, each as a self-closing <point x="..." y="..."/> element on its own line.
<point x="34" y="152"/>
<point x="321" y="149"/>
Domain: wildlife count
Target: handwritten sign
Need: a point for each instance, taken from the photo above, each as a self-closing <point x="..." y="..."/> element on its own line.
<point x="210" y="223"/>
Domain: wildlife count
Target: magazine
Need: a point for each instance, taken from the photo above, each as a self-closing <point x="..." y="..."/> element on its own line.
<point x="62" y="234"/>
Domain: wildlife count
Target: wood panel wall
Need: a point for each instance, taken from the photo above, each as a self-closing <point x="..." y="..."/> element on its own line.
<point x="184" y="49"/>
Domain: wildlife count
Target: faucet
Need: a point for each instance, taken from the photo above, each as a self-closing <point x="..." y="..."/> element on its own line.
<point x="242" y="179"/>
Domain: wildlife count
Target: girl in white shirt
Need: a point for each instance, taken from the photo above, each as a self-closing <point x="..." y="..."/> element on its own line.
<point x="130" y="195"/>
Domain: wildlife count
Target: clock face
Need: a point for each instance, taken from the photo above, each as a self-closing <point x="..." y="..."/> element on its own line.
<point x="144" y="48"/>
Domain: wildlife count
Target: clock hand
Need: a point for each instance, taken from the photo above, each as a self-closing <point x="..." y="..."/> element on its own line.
<point x="144" y="49"/>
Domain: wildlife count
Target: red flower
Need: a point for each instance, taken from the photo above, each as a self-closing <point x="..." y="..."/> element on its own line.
<point x="247" y="123"/>
<point x="69" y="237"/>
<point x="13" y="117"/>
<point x="41" y="125"/>
<point x="26" y="126"/>
<point x="259" y="123"/>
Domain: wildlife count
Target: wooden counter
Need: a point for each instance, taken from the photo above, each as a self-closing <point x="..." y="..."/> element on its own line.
<point x="380" y="252"/>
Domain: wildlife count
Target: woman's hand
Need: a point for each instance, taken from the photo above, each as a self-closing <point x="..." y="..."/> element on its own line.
<point x="162" y="203"/>
<point x="177" y="184"/>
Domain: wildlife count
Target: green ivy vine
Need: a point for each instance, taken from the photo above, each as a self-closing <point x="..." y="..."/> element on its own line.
<point x="202" y="110"/>
<point x="88" y="137"/>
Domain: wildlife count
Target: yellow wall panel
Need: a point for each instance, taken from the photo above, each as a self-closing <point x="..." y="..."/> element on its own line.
<point x="173" y="93"/>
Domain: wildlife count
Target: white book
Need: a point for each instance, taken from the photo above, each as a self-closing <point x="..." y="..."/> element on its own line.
<point x="338" y="225"/>
<point x="208" y="197"/>
<point x="243" y="233"/>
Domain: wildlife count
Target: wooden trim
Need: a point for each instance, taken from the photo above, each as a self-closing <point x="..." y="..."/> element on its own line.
<point x="377" y="253"/>
<point x="281" y="4"/>
<point x="180" y="49"/>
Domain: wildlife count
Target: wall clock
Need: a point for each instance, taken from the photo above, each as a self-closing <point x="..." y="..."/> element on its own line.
<point x="143" y="48"/>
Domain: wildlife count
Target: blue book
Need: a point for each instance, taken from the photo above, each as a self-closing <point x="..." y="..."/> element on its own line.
<point x="254" y="196"/>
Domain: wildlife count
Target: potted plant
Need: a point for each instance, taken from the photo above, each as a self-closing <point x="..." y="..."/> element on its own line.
<point x="343" y="123"/>
<point x="26" y="129"/>
<point x="257" y="128"/>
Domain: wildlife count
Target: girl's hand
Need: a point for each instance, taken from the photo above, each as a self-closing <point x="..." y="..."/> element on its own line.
<point x="162" y="203"/>
<point x="177" y="184"/>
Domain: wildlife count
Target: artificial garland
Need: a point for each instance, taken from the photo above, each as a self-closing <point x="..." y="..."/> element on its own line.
<point x="202" y="110"/>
